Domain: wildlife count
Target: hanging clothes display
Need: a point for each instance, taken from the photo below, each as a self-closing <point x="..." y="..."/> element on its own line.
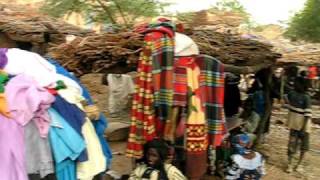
<point x="150" y="92"/>
<point x="177" y="96"/>
<point x="67" y="146"/>
<point x="101" y="123"/>
<point x="27" y="101"/>
<point x="44" y="131"/>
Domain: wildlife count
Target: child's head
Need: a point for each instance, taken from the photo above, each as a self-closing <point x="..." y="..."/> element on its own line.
<point x="155" y="152"/>
<point x="241" y="143"/>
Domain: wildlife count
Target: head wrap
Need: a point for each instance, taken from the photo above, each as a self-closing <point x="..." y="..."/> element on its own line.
<point x="240" y="143"/>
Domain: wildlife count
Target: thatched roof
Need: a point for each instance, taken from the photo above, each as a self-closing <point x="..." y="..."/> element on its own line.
<point x="215" y="19"/>
<point x="301" y="58"/>
<point x="234" y="49"/>
<point x="99" y="53"/>
<point x="298" y="53"/>
<point x="27" y="25"/>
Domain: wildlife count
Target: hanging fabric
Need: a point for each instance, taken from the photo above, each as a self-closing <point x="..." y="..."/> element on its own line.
<point x="101" y="124"/>
<point x="120" y="88"/>
<point x="154" y="91"/>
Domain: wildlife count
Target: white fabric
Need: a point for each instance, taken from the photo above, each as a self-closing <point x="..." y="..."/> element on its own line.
<point x="73" y="93"/>
<point x="31" y="64"/>
<point x="249" y="164"/>
<point x="120" y="87"/>
<point x="184" y="45"/>
<point x="96" y="160"/>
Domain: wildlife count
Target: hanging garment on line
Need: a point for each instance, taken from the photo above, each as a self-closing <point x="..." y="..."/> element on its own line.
<point x="38" y="152"/>
<point x="120" y="88"/>
<point x="66" y="145"/>
<point x="199" y="86"/>
<point x="101" y="124"/>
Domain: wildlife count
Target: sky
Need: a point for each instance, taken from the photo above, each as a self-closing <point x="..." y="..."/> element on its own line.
<point x="262" y="11"/>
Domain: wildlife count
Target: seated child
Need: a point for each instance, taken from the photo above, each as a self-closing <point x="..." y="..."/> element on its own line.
<point x="246" y="163"/>
<point x="153" y="165"/>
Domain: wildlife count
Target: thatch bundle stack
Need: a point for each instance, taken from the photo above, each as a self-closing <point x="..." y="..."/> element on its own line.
<point x="234" y="49"/>
<point x="98" y="53"/>
<point x="25" y="26"/>
<point x="221" y="21"/>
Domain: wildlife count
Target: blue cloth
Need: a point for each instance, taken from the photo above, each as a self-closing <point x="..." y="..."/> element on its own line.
<point x="259" y="102"/>
<point x="240" y="143"/>
<point x="74" y="117"/>
<point x="101" y="124"/>
<point x="66" y="145"/>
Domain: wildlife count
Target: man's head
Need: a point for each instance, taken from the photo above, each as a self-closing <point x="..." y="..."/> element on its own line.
<point x="155" y="152"/>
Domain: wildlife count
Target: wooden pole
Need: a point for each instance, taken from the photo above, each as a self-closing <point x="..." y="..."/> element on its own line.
<point x="283" y="80"/>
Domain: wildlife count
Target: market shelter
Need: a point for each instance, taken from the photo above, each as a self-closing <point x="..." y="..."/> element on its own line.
<point x="180" y="92"/>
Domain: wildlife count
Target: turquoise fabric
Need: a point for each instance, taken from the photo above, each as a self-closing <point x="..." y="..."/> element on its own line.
<point x="101" y="124"/>
<point x="66" y="145"/>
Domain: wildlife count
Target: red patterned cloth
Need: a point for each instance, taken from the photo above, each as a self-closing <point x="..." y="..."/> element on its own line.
<point x="149" y="101"/>
<point x="211" y="92"/>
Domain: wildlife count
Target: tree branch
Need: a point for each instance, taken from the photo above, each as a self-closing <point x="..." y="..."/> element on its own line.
<point x="123" y="16"/>
<point x="107" y="10"/>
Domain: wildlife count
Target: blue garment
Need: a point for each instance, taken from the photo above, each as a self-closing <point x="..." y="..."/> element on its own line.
<point x="74" y="117"/>
<point x="101" y="124"/>
<point x="259" y="102"/>
<point x="66" y="145"/>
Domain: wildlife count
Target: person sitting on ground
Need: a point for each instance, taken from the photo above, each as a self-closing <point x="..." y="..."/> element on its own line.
<point x="246" y="163"/>
<point x="299" y="122"/>
<point x="153" y="165"/>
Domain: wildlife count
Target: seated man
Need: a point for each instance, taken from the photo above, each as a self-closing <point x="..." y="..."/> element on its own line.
<point x="153" y="165"/>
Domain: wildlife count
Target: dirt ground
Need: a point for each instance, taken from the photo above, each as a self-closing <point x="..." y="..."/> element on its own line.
<point x="274" y="149"/>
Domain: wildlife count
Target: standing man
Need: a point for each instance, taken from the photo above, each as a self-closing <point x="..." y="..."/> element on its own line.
<point x="299" y="122"/>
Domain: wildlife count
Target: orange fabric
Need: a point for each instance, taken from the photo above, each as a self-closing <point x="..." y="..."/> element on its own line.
<point x="4" y="110"/>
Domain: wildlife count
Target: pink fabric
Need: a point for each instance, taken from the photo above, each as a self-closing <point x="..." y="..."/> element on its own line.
<point x="12" y="149"/>
<point x="28" y="101"/>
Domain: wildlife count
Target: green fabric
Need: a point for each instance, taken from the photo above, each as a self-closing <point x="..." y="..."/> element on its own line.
<point x="4" y="78"/>
<point x="60" y="85"/>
